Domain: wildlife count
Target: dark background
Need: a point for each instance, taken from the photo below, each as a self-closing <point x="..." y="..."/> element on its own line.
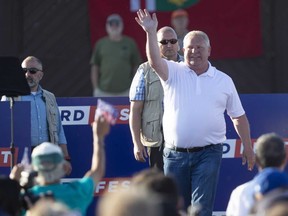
<point x="58" y="33"/>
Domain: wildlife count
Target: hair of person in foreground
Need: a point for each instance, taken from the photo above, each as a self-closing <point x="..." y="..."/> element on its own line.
<point x="132" y="202"/>
<point x="50" y="207"/>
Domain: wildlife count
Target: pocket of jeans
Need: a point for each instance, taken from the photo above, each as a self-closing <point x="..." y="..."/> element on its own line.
<point x="166" y="152"/>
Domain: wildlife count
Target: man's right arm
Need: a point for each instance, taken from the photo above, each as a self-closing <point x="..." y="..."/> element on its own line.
<point x="94" y="75"/>
<point x="150" y="24"/>
<point x="136" y="108"/>
<point x="100" y="129"/>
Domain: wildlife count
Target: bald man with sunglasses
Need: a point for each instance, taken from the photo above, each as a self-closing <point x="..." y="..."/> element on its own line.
<point x="146" y="98"/>
<point x="46" y="124"/>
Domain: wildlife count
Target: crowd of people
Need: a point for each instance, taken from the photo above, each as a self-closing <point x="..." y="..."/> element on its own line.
<point x="184" y="151"/>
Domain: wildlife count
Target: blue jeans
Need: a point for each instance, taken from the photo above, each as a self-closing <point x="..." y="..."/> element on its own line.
<point x="196" y="175"/>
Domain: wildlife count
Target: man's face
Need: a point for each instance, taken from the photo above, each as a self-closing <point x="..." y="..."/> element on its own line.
<point x="180" y="22"/>
<point x="33" y="73"/>
<point x="168" y="45"/>
<point x="114" y="28"/>
<point x="196" y="52"/>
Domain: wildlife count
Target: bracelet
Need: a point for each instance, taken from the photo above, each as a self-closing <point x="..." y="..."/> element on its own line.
<point x="68" y="159"/>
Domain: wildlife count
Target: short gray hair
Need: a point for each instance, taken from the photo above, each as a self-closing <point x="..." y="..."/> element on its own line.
<point x="33" y="58"/>
<point x="201" y="34"/>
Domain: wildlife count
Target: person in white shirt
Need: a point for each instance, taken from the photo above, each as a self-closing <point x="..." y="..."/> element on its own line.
<point x="270" y="157"/>
<point x="196" y="95"/>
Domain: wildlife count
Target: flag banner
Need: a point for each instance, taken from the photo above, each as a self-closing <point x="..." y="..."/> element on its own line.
<point x="107" y="110"/>
<point x="233" y="26"/>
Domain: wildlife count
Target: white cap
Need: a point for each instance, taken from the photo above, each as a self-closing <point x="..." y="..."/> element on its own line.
<point x="45" y="155"/>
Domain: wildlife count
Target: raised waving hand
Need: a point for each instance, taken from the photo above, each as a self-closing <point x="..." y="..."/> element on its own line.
<point x="144" y="19"/>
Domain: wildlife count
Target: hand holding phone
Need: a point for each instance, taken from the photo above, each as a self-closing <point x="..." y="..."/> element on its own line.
<point x="107" y="110"/>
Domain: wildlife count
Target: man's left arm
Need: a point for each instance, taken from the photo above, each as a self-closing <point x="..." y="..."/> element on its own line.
<point x="63" y="146"/>
<point x="242" y="128"/>
<point x="65" y="151"/>
<point x="68" y="166"/>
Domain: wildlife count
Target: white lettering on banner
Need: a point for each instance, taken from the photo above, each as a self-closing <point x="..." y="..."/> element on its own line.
<point x="124" y="114"/>
<point x="84" y="115"/>
<point x="5" y="156"/>
<point x="74" y="115"/>
<point x="110" y="185"/>
<point x="233" y="148"/>
<point x="113" y="186"/>
<point x="229" y="148"/>
<point x="100" y="187"/>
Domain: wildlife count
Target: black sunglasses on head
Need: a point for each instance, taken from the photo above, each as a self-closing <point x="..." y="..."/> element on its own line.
<point x="31" y="70"/>
<point x="171" y="41"/>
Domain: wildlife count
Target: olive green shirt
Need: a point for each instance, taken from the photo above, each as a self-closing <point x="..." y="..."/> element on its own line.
<point x="116" y="61"/>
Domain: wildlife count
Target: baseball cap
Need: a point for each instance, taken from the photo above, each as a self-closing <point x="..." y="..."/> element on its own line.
<point x="179" y="13"/>
<point x="46" y="157"/>
<point x="272" y="180"/>
<point x="114" y="18"/>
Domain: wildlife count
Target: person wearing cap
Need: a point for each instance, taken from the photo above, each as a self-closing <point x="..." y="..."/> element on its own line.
<point x="46" y="123"/>
<point x="146" y="102"/>
<point x="196" y="97"/>
<point x="180" y="22"/>
<point x="272" y="179"/>
<point x="273" y="203"/>
<point x="48" y="160"/>
<point x="114" y="60"/>
<point x="271" y="161"/>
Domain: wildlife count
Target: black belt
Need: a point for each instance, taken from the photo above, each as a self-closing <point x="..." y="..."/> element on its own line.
<point x="189" y="150"/>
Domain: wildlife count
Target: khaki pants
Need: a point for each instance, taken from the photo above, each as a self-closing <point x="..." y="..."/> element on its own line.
<point x="99" y="93"/>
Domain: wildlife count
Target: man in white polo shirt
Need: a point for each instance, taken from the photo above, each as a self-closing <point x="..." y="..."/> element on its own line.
<point x="196" y="95"/>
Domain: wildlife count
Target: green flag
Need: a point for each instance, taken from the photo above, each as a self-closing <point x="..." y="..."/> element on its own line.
<point x="170" y="5"/>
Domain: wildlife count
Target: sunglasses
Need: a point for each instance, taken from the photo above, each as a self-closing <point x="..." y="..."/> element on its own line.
<point x="31" y="70"/>
<point x="114" y="22"/>
<point x="171" y="41"/>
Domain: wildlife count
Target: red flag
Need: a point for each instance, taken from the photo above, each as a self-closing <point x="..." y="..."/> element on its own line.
<point x="233" y="26"/>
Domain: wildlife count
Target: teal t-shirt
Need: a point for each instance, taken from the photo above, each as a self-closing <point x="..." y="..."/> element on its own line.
<point x="77" y="195"/>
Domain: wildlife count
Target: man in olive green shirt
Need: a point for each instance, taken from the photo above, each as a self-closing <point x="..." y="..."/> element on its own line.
<point x="114" y="61"/>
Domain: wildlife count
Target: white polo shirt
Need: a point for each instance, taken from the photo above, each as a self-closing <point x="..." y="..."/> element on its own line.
<point x="194" y="106"/>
